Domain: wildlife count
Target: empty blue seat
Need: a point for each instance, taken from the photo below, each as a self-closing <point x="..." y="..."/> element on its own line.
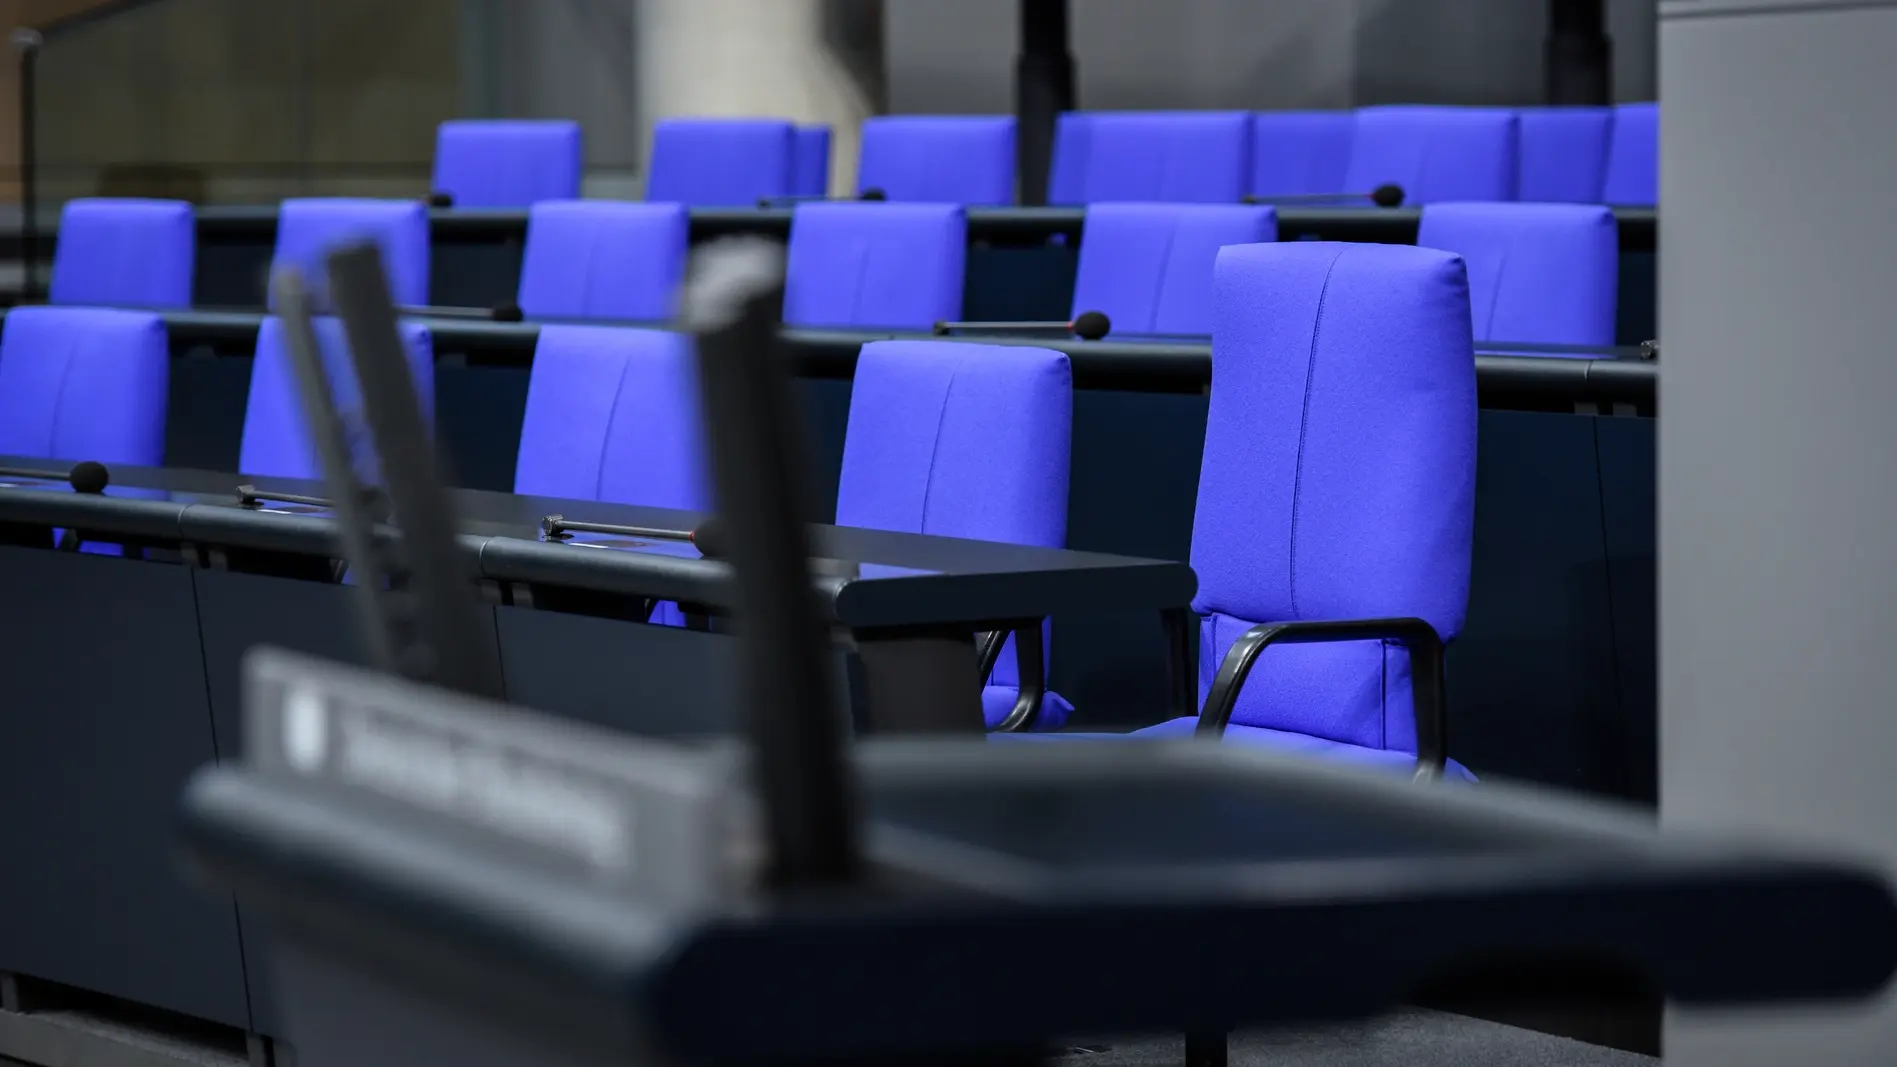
<point x="1538" y="273"/>
<point x="276" y="441"/>
<point x="497" y="163"/>
<point x="308" y="228"/>
<point x="84" y="384"/>
<point x="812" y="165"/>
<point x="1633" y="157"/>
<point x="953" y="159"/>
<point x="722" y="162"/>
<point x="1172" y="156"/>
<point x="959" y="439"/>
<point x="126" y="253"/>
<point x="612" y="414"/>
<point x="1436" y="153"/>
<point x="869" y="265"/>
<point x="1149" y="266"/>
<point x="1563" y="154"/>
<point x="602" y="259"/>
<point x="1301" y="153"/>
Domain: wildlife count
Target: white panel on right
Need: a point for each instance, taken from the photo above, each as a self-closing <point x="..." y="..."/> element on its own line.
<point x="1778" y="458"/>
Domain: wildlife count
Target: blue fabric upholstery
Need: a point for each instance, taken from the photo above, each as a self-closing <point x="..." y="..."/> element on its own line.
<point x="603" y="259"/>
<point x="1633" y="157"/>
<point x="84" y="384"/>
<point x="1149" y="266"/>
<point x="125" y="253"/>
<point x="888" y="266"/>
<point x="514" y="163"/>
<point x="1338" y="479"/>
<point x="1539" y="273"/>
<point x="960" y="439"/>
<point x="1301" y="153"/>
<point x="1436" y="153"/>
<point x="1563" y="154"/>
<point x="950" y="159"/>
<point x="811" y="169"/>
<point x="276" y="440"/>
<point x="308" y="228"/>
<point x="1171" y="156"/>
<point x="722" y="162"/>
<point x="612" y="414"/>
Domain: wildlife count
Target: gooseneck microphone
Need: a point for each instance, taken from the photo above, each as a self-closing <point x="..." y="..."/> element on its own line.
<point x="708" y="536"/>
<point x="84" y="477"/>
<point x="1386" y="195"/>
<point x="1088" y="326"/>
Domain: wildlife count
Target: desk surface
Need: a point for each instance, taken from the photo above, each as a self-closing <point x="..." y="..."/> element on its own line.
<point x="871" y="578"/>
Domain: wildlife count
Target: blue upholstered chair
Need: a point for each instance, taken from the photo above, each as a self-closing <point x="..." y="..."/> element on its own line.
<point x="1148" y="267"/>
<point x="84" y="384"/>
<point x="1633" y="157"/>
<point x="722" y="162"/>
<point x="498" y="163"/>
<point x="612" y="414"/>
<point x="869" y="265"/>
<point x="811" y="164"/>
<point x="125" y="253"/>
<point x="1301" y="153"/>
<point x="602" y="259"/>
<point x="1436" y="153"/>
<point x="1538" y="273"/>
<point x="1172" y="156"/>
<point x="276" y="441"/>
<point x="1563" y="154"/>
<point x="308" y="228"/>
<point x="952" y="159"/>
<point x="960" y="439"/>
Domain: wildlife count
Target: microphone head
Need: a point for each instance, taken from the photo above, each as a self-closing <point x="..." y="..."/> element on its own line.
<point x="873" y="193"/>
<point x="89" y="477"/>
<point x="1388" y="195"/>
<point x="1092" y="325"/>
<point x="440" y="199"/>
<point x="507" y="311"/>
<point x="709" y="538"/>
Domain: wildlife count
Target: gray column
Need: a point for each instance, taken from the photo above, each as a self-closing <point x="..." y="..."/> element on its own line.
<point x="1778" y="456"/>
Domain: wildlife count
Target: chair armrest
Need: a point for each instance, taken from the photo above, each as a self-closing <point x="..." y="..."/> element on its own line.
<point x="1030" y="671"/>
<point x="1429" y="689"/>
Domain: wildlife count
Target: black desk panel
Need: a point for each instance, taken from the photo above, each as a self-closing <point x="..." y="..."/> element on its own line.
<point x="106" y="716"/>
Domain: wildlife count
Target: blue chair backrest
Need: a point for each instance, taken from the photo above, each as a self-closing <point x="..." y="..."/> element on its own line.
<point x="1436" y="153"/>
<point x="497" y="163"/>
<point x="722" y="162"/>
<point x="1563" y="154"/>
<point x="125" y="253"/>
<point x="602" y="259"/>
<point x="84" y="384"/>
<point x="1339" y="473"/>
<point x="612" y="414"/>
<point x="951" y="159"/>
<point x="886" y="266"/>
<point x="1301" y="153"/>
<point x="308" y="228"/>
<point x="1633" y="157"/>
<point x="276" y="441"/>
<point x="811" y="170"/>
<point x="1148" y="267"/>
<point x="960" y="439"/>
<point x="1170" y="156"/>
<point x="1539" y="273"/>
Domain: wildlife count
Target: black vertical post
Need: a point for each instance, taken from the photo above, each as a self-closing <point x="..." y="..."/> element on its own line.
<point x="26" y="42"/>
<point x="1578" y="56"/>
<point x="1043" y="88"/>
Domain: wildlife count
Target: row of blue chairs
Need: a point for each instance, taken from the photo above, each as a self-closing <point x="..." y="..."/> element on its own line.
<point x="1570" y="154"/>
<point x="1337" y="482"/>
<point x="1540" y="273"/>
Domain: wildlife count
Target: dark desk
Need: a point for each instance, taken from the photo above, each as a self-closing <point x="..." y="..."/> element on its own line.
<point x="123" y="678"/>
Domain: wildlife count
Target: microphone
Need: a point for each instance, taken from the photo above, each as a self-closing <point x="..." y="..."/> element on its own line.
<point x="84" y="477"/>
<point x="440" y="199"/>
<point x="1088" y="326"/>
<point x="708" y="537"/>
<point x="505" y="311"/>
<point x="1386" y="195"/>
<point x="871" y="193"/>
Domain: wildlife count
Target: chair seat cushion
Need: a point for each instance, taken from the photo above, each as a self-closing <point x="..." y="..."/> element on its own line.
<point x="997" y="701"/>
<point x="1176" y="729"/>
